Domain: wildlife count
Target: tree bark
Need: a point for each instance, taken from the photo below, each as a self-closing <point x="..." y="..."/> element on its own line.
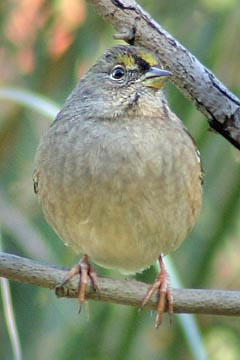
<point x="125" y="292"/>
<point x="196" y="82"/>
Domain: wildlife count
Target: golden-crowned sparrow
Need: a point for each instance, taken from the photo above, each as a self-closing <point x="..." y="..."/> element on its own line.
<point x="117" y="174"/>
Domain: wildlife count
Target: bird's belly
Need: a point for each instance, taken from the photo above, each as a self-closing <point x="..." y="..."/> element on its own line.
<point x="122" y="202"/>
<point x="128" y="227"/>
<point x="130" y="240"/>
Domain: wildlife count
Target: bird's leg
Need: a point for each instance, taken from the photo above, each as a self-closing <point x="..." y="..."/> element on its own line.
<point x="85" y="271"/>
<point x="161" y="284"/>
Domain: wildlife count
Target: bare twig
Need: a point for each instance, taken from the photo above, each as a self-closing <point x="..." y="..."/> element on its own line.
<point x="210" y="96"/>
<point x="125" y="292"/>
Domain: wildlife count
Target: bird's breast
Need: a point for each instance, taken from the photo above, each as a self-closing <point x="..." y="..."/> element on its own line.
<point x="122" y="194"/>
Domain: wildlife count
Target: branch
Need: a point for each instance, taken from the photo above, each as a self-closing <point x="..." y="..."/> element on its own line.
<point x="125" y="292"/>
<point x="196" y="82"/>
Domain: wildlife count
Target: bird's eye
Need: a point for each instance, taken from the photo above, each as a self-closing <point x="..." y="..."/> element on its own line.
<point x="118" y="73"/>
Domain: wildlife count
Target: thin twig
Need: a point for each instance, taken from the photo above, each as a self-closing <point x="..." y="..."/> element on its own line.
<point x="125" y="292"/>
<point x="8" y="312"/>
<point x="196" y="82"/>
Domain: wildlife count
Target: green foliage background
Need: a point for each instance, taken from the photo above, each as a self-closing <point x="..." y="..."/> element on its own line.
<point x="45" y="47"/>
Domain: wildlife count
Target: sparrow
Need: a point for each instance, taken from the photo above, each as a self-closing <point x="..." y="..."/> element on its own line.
<point x="117" y="174"/>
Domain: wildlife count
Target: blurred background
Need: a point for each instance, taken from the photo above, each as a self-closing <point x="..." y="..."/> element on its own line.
<point x="45" y="48"/>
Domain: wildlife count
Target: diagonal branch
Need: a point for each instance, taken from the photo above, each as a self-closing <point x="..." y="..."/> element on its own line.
<point x="196" y="82"/>
<point x="125" y="292"/>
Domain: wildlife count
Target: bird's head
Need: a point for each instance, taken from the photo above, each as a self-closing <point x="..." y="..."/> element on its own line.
<point x="121" y="78"/>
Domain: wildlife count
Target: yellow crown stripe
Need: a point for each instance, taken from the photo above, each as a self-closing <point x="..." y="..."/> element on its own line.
<point x="129" y="61"/>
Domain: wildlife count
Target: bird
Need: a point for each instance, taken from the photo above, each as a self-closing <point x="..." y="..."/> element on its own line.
<point x="117" y="174"/>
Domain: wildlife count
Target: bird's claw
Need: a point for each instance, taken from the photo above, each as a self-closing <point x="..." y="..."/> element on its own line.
<point x="85" y="271"/>
<point x="161" y="284"/>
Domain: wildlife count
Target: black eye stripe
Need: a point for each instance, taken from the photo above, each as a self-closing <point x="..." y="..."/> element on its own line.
<point x="143" y="65"/>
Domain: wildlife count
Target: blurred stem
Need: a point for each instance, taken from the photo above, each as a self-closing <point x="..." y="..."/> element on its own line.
<point x="31" y="100"/>
<point x="187" y="322"/>
<point x="16" y="224"/>
<point x="126" y="339"/>
<point x="9" y="315"/>
<point x="226" y="222"/>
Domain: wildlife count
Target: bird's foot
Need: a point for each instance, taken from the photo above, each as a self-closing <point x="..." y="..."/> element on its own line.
<point x="85" y="271"/>
<point x="161" y="284"/>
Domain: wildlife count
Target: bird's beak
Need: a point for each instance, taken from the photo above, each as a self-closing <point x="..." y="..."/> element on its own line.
<point x="155" y="77"/>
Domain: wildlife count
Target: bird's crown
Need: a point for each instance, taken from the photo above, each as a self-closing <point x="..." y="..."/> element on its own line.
<point x="131" y="57"/>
